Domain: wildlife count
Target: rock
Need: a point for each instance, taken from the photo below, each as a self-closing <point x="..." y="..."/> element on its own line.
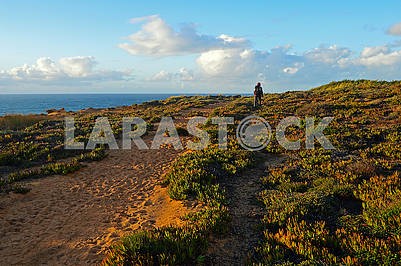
<point x="51" y="112"/>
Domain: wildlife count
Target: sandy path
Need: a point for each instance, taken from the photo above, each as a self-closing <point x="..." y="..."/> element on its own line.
<point x="237" y="246"/>
<point x="71" y="220"/>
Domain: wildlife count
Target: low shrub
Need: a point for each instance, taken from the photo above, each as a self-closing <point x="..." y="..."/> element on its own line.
<point x="195" y="174"/>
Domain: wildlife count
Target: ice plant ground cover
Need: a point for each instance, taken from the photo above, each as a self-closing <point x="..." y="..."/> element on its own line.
<point x="339" y="206"/>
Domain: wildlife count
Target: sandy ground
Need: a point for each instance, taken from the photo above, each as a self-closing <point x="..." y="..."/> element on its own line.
<point x="73" y="219"/>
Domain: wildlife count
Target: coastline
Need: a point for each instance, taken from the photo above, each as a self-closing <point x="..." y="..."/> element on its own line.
<point x="36" y="104"/>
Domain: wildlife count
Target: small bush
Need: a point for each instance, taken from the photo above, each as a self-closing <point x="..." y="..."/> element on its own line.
<point x="17" y="122"/>
<point x="48" y="169"/>
<point x="165" y="246"/>
<point x="194" y="174"/>
<point x="96" y="154"/>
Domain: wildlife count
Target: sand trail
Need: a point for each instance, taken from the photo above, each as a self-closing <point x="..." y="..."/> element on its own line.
<point x="73" y="219"/>
<point x="237" y="246"/>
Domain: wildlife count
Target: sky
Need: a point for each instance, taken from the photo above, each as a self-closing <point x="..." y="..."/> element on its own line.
<point x="194" y="46"/>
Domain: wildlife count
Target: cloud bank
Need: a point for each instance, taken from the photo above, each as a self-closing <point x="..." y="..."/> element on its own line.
<point x="157" y="38"/>
<point x="318" y="65"/>
<point x="216" y="61"/>
<point x="78" y="68"/>
<point x="225" y="58"/>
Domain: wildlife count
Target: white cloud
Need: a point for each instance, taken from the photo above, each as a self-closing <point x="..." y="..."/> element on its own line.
<point x="379" y="56"/>
<point x="247" y="62"/>
<point x="281" y="67"/>
<point x="216" y="62"/>
<point x="328" y="55"/>
<point x="161" y="76"/>
<point x="231" y="40"/>
<point x="157" y="38"/>
<point x="46" y="65"/>
<point x="294" y="69"/>
<point x="376" y="57"/>
<point x="183" y="74"/>
<point x="79" y="68"/>
<point x="395" y="29"/>
<point x="372" y="51"/>
<point x="45" y="69"/>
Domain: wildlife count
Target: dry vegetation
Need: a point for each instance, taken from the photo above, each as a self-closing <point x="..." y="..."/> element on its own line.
<point x="321" y="207"/>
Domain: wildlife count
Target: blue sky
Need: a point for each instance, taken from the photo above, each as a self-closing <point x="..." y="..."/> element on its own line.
<point x="203" y="46"/>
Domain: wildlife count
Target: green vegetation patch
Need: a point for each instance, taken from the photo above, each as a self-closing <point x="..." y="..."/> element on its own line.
<point x="193" y="175"/>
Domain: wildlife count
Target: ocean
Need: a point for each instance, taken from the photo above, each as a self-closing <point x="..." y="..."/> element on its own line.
<point x="39" y="103"/>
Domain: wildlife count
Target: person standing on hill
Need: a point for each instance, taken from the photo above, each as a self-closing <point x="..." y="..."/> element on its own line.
<point x="257" y="95"/>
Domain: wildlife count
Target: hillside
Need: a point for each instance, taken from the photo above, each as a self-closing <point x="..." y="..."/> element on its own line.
<point x="231" y="207"/>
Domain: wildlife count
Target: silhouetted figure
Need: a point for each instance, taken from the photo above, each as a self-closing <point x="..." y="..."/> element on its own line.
<point x="257" y="95"/>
